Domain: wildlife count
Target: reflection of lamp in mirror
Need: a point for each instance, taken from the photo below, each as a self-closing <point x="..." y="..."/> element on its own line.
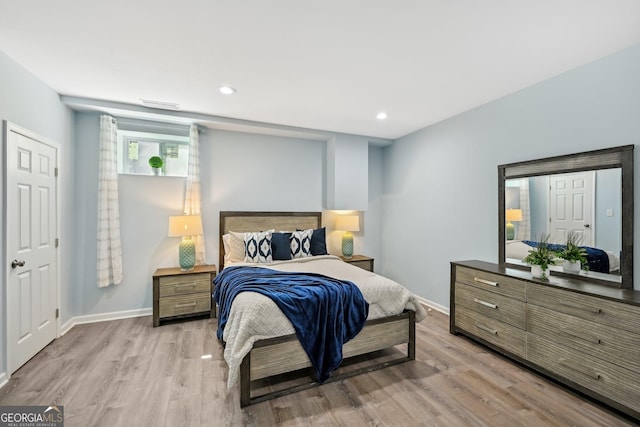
<point x="348" y="223"/>
<point x="512" y="215"/>
<point x="186" y="226"/>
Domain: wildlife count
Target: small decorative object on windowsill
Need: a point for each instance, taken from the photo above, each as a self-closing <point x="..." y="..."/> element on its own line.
<point x="573" y="256"/>
<point x="156" y="164"/>
<point x="186" y="226"/>
<point x="540" y="258"/>
<point x="512" y="215"/>
<point x="347" y="223"/>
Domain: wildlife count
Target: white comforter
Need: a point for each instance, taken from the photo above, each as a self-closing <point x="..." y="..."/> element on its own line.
<point x="255" y="317"/>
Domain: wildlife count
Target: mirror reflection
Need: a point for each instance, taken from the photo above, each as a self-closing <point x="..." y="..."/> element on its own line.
<point x="584" y="205"/>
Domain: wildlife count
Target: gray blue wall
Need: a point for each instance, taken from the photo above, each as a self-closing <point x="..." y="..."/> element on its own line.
<point x="440" y="195"/>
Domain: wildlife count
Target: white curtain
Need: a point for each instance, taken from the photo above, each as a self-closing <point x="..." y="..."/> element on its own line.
<point x="192" y="190"/>
<point x="524" y="226"/>
<point x="109" y="266"/>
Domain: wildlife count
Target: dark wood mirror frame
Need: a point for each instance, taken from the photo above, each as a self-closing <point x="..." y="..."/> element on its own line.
<point x="615" y="157"/>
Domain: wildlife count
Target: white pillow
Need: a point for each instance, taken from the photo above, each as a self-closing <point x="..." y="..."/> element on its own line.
<point x="257" y="247"/>
<point x="234" y="252"/>
<point x="301" y="243"/>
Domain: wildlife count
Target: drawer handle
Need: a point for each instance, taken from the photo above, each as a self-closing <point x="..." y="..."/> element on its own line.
<point x="564" y="362"/>
<point x="484" y="328"/>
<point x="185" y="285"/>
<point x="485" y="282"/>
<point x="188" y="304"/>
<point x="579" y="307"/>
<point x="587" y="338"/>
<point x="486" y="304"/>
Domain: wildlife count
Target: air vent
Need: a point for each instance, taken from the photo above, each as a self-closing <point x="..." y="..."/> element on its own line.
<point x="161" y="105"/>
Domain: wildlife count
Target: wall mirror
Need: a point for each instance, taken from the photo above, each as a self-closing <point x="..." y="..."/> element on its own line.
<point x="589" y="194"/>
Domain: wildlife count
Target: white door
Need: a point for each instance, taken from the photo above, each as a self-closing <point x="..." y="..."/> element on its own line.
<point x="32" y="285"/>
<point x="571" y="201"/>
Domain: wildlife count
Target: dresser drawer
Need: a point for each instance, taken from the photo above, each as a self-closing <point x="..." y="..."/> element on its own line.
<point x="491" y="330"/>
<point x="614" y="382"/>
<point x="493" y="282"/>
<point x="491" y="304"/>
<point x="599" y="310"/>
<point x="365" y="265"/>
<point x="184" y="284"/>
<point x="185" y="304"/>
<point x="613" y="345"/>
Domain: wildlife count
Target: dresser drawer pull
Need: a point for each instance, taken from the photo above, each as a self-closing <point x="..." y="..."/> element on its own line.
<point x="486" y="304"/>
<point x="186" y="285"/>
<point x="485" y="282"/>
<point x="579" y="307"/>
<point x="484" y="328"/>
<point x="188" y="304"/>
<point x="564" y="362"/>
<point x="587" y="338"/>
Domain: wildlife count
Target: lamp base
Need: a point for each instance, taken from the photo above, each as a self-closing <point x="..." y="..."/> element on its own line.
<point x="187" y="254"/>
<point x="347" y="245"/>
<point x="511" y="231"/>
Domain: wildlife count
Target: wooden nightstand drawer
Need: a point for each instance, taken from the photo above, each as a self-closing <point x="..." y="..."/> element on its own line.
<point x="491" y="330"/>
<point x="491" y="304"/>
<point x="185" y="284"/>
<point x="361" y="261"/>
<point x="491" y="282"/>
<point x="185" y="304"/>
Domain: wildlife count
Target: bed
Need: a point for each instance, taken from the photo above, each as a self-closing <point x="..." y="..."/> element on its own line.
<point x="260" y="343"/>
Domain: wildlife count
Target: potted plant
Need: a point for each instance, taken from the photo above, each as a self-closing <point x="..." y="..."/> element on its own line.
<point x="541" y="258"/>
<point x="573" y="255"/>
<point x="156" y="164"/>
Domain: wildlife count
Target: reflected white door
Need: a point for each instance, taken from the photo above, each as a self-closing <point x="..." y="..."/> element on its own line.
<point x="571" y="206"/>
<point x="32" y="285"/>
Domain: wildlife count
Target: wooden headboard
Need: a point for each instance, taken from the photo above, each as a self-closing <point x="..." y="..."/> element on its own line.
<point x="257" y="221"/>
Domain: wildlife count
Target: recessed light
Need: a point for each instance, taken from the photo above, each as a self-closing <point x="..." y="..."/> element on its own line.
<point x="381" y="116"/>
<point x="226" y="90"/>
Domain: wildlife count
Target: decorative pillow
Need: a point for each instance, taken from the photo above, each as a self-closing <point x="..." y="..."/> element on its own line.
<point x="301" y="243"/>
<point x="319" y="242"/>
<point x="257" y="247"/>
<point x="235" y="250"/>
<point x="280" y="246"/>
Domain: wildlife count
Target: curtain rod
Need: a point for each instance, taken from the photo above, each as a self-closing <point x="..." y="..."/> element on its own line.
<point x="160" y="125"/>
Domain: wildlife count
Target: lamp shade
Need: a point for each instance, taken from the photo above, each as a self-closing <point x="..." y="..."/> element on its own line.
<point x="185" y="225"/>
<point x="514" y="215"/>
<point x="348" y="223"/>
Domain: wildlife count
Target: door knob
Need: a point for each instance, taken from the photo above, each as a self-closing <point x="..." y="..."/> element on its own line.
<point x="587" y="225"/>
<point x="15" y="263"/>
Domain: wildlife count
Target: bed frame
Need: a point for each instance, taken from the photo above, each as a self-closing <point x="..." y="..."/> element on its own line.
<point x="271" y="357"/>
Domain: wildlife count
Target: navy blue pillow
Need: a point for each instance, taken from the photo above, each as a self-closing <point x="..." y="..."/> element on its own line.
<point x="318" y="242"/>
<point x="280" y="246"/>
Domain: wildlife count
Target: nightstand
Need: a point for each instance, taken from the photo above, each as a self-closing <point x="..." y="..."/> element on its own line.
<point x="182" y="294"/>
<point x="364" y="262"/>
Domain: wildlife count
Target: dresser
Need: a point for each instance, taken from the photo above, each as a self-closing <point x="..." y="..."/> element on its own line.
<point x="584" y="335"/>
<point x="183" y="294"/>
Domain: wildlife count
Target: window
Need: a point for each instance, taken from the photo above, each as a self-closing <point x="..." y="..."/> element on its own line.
<point x="135" y="149"/>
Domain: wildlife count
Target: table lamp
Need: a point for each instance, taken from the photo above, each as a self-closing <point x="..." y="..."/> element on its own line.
<point x="186" y="226"/>
<point x="512" y="215"/>
<point x="347" y="223"/>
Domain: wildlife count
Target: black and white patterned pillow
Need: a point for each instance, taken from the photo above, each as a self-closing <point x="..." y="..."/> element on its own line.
<point x="301" y="243"/>
<point x="257" y="247"/>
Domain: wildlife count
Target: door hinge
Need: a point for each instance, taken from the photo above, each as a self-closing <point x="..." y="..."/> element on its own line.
<point x="57" y="313"/>
<point x="57" y="242"/>
<point x="56" y="172"/>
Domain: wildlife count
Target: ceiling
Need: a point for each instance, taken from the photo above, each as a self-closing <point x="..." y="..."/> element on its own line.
<point x="328" y="65"/>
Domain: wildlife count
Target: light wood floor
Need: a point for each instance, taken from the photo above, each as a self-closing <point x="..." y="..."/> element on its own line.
<point x="126" y="373"/>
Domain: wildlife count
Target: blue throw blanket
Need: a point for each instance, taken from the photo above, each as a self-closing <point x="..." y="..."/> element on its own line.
<point x="597" y="259"/>
<point x="325" y="312"/>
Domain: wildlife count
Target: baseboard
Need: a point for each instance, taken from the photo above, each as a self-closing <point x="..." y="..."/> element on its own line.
<point x="435" y="306"/>
<point x="103" y="317"/>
